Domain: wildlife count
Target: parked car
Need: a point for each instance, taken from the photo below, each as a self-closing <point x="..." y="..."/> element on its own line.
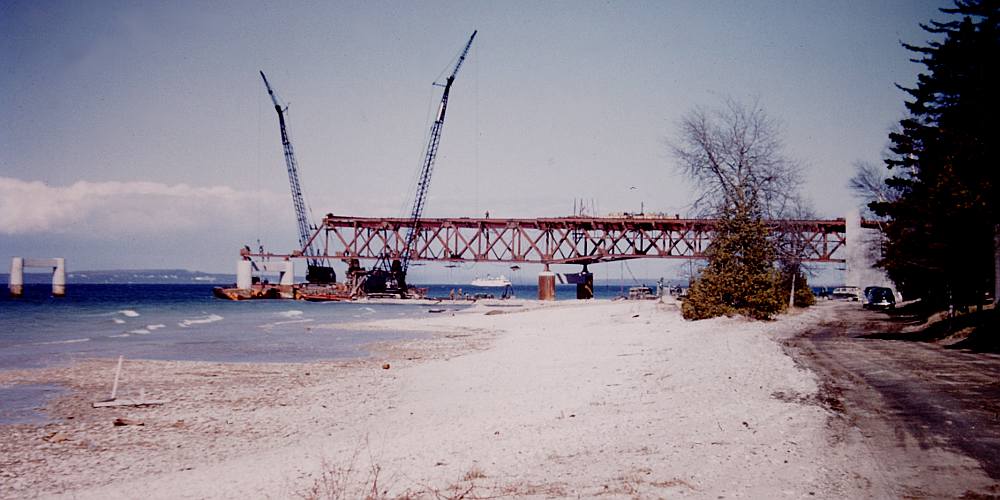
<point x="846" y="293"/>
<point x="880" y="298"/>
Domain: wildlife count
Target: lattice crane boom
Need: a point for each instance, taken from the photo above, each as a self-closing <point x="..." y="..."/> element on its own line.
<point x="317" y="271"/>
<point x="298" y="201"/>
<point x="429" y="157"/>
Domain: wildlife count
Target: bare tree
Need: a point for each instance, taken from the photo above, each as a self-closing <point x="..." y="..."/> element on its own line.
<point x="868" y="184"/>
<point x="734" y="154"/>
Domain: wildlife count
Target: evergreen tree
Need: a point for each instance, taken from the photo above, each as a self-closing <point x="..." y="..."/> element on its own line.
<point x="740" y="277"/>
<point x="941" y="219"/>
<point x="735" y="156"/>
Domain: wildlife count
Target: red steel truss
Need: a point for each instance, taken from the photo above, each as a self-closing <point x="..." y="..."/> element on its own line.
<point x="560" y="240"/>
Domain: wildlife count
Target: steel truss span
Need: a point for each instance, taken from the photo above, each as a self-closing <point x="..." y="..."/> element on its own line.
<point x="562" y="240"/>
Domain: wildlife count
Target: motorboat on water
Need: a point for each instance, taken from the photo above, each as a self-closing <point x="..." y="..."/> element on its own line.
<point x="492" y="281"/>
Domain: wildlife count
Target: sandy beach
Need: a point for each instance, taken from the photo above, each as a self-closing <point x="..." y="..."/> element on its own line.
<point x="568" y="399"/>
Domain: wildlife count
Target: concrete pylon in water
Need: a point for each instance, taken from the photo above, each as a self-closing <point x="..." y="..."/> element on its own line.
<point x="16" y="281"/>
<point x="585" y="287"/>
<point x="546" y="285"/>
<point x="17" y="265"/>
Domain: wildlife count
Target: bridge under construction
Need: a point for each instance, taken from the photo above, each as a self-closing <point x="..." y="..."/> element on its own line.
<point x="551" y="240"/>
<point x="548" y="240"/>
<point x="389" y="245"/>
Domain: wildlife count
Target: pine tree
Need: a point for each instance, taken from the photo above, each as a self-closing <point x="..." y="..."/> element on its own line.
<point x="735" y="156"/>
<point x="940" y="227"/>
<point x="740" y="277"/>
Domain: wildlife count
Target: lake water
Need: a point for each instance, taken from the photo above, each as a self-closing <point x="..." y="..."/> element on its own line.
<point x="180" y="322"/>
<point x="185" y="322"/>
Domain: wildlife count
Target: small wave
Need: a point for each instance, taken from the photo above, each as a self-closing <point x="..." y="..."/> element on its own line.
<point x="69" y="341"/>
<point x="211" y="318"/>
<point x="140" y="331"/>
<point x="119" y="336"/>
<point x="155" y="327"/>
<point x="118" y="321"/>
<point x="290" y="314"/>
<point x="129" y="313"/>
<point x="289" y="322"/>
<point x="368" y="309"/>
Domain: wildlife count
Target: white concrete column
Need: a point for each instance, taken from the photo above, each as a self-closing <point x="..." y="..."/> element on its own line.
<point x="856" y="250"/>
<point x="59" y="277"/>
<point x="244" y="271"/>
<point x="287" y="276"/>
<point x="16" y="284"/>
<point x="863" y="254"/>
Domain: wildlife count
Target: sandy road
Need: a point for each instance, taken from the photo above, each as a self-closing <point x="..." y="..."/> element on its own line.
<point x="930" y="415"/>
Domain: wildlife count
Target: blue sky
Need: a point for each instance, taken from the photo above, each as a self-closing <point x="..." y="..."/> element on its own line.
<point x="138" y="134"/>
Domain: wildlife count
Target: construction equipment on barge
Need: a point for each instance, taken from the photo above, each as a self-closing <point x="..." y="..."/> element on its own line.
<point x="387" y="278"/>
<point x="388" y="275"/>
<point x="317" y="270"/>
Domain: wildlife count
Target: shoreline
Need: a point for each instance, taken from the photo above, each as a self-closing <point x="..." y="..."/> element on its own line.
<point x="565" y="399"/>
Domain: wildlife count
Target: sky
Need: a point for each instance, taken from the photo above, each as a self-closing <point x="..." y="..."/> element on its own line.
<point x="139" y="134"/>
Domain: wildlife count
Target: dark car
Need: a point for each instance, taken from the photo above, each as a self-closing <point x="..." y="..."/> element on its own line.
<point x="879" y="298"/>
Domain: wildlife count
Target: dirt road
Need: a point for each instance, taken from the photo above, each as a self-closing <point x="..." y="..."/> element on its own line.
<point x="929" y="416"/>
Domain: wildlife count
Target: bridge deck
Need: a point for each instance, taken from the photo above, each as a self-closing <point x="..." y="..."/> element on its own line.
<point x="558" y="240"/>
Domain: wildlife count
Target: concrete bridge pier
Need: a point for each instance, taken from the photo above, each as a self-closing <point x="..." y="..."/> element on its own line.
<point x="16" y="284"/>
<point x="546" y="284"/>
<point x="585" y="287"/>
<point x="17" y="265"/>
<point x="244" y="274"/>
<point x="862" y="254"/>
<point x="284" y="268"/>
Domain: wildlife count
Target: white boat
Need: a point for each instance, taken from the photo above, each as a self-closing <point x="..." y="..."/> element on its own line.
<point x="492" y="281"/>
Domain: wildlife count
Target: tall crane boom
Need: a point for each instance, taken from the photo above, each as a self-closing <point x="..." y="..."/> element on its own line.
<point x="430" y="155"/>
<point x="317" y="272"/>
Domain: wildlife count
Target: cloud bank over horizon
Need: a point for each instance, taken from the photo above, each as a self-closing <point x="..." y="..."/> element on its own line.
<point x="129" y="207"/>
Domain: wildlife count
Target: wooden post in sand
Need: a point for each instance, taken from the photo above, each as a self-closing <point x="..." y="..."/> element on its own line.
<point x="118" y="374"/>
<point x="114" y="401"/>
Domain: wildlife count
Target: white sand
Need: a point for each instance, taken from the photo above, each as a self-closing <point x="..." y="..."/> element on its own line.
<point x="567" y="399"/>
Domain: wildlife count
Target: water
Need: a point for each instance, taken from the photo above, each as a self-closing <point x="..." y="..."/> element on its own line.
<point x="23" y="403"/>
<point x="181" y="322"/>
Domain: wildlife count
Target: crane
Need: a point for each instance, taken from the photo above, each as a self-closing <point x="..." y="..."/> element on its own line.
<point x="381" y="279"/>
<point x="316" y="270"/>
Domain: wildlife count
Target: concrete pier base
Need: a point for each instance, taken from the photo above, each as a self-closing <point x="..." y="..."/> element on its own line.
<point x="546" y="285"/>
<point x="585" y="290"/>
<point x="16" y="283"/>
<point x="59" y="278"/>
<point x="244" y="274"/>
<point x="17" y="265"/>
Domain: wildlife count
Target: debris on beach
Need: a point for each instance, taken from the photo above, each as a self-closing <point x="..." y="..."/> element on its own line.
<point x="119" y="422"/>
<point x="56" y="437"/>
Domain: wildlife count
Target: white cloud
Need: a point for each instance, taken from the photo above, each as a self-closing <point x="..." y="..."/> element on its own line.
<point x="132" y="208"/>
